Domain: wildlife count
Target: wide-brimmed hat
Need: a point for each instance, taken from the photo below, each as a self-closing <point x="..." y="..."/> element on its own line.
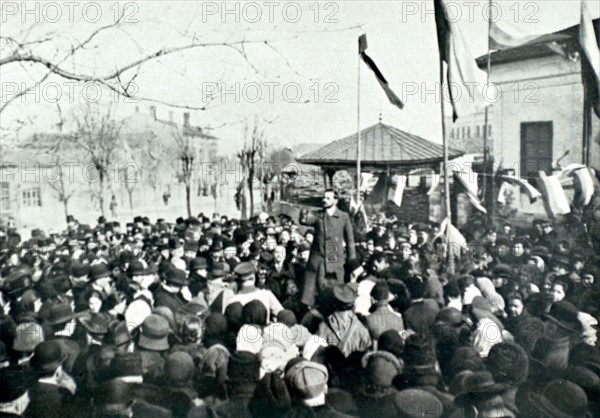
<point x="95" y="323"/>
<point x="219" y="270"/>
<point x="155" y="333"/>
<point x="479" y="383"/>
<point x="48" y="355"/>
<point x="564" y="314"/>
<point x="560" y="399"/>
<point x="198" y="263"/>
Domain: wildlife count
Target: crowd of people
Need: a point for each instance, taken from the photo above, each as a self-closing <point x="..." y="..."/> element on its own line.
<point x="218" y="317"/>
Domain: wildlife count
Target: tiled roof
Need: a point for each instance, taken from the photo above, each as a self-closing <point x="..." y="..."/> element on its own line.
<point x="380" y="145"/>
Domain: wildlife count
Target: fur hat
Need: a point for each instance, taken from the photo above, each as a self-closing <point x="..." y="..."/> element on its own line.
<point x="381" y="368"/>
<point x="179" y="367"/>
<point x="508" y="363"/>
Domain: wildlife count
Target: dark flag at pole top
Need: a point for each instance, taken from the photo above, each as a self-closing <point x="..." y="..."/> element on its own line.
<point x="392" y="97"/>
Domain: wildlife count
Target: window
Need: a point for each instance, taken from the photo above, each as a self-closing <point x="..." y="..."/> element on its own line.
<point x="536" y="148"/>
<point x="478" y="131"/>
<point x="32" y="197"/>
<point x="452" y="134"/>
<point x="468" y="132"/>
<point x="4" y="196"/>
<point x="462" y="133"/>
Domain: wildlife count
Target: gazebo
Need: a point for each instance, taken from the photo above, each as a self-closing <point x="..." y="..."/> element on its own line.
<point x="384" y="149"/>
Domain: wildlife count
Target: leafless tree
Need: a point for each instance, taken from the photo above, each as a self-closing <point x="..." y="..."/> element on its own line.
<point x="251" y="158"/>
<point x="97" y="135"/>
<point x="186" y="154"/>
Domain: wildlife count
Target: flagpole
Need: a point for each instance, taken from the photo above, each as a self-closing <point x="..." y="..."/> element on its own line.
<point x="446" y="181"/>
<point x="358" y="150"/>
<point x="491" y="201"/>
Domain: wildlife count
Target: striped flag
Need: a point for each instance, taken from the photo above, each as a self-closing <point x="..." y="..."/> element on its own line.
<point x="531" y="191"/>
<point x="590" y="63"/>
<point x="555" y="198"/>
<point x="465" y="80"/>
<point x="396" y="192"/>
<point x="582" y="180"/>
<point x="392" y="97"/>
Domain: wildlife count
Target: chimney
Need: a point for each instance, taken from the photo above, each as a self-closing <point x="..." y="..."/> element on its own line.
<point x="153" y="112"/>
<point x="186" y="119"/>
<point x="171" y="117"/>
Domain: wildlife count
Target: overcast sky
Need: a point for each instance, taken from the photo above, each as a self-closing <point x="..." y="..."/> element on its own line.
<point x="304" y="88"/>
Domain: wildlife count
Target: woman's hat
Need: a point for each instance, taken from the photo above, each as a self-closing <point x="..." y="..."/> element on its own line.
<point x="155" y="333"/>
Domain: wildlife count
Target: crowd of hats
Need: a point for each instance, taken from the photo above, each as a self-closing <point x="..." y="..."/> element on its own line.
<point x="510" y="332"/>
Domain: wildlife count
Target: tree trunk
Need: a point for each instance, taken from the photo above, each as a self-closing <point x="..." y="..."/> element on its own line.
<point x="66" y="206"/>
<point x="188" y="198"/>
<point x="130" y="193"/>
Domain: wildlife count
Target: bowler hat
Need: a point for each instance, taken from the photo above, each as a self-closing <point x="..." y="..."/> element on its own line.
<point x="99" y="271"/>
<point x="176" y="277"/>
<point x="155" y="333"/>
<point x="136" y="268"/>
<point x="219" y="270"/>
<point x="59" y="314"/>
<point x="48" y="355"/>
<point x="198" y="263"/>
<point x="560" y="398"/>
<point x="79" y="269"/>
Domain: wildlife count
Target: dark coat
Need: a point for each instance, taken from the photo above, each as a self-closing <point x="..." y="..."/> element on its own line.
<point x="327" y="254"/>
<point x="48" y="401"/>
<point x="170" y="300"/>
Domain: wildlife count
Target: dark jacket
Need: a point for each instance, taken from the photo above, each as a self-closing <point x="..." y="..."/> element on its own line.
<point x="328" y="253"/>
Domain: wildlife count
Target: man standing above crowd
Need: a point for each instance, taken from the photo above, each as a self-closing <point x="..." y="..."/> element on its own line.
<point x="332" y="247"/>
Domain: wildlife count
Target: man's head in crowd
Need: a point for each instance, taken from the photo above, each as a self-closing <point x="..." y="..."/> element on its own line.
<point x="330" y="198"/>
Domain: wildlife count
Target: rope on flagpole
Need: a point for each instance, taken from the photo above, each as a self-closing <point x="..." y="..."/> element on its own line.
<point x="358" y="150"/>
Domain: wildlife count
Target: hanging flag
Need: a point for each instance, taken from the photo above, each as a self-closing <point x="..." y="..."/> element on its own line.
<point x="555" y="198"/>
<point x="582" y="180"/>
<point x="532" y="193"/>
<point x="454" y="239"/>
<point x="589" y="31"/>
<point x="362" y="47"/>
<point x="465" y="80"/>
<point x="471" y="190"/>
<point x="396" y="191"/>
